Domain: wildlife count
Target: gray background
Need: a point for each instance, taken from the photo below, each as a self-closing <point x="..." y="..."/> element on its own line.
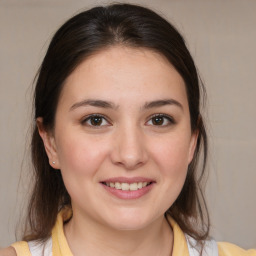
<point x="221" y="36"/>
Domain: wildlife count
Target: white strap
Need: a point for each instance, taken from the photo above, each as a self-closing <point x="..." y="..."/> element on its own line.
<point x="40" y="249"/>
<point x="210" y="247"/>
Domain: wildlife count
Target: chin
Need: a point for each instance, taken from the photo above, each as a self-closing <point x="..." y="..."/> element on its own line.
<point x="126" y="225"/>
<point x="129" y="220"/>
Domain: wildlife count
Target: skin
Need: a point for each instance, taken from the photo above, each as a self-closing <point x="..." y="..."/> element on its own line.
<point x="128" y="142"/>
<point x="7" y="252"/>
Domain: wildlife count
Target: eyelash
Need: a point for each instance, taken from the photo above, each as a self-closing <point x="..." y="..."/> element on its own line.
<point x="169" y="119"/>
<point x="90" y="117"/>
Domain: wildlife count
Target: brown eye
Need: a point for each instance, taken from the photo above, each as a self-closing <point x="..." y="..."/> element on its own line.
<point x="158" y="120"/>
<point x="161" y="120"/>
<point x="95" y="120"/>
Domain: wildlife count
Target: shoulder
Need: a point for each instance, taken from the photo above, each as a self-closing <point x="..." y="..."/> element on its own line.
<point x="8" y="252"/>
<point x="228" y="249"/>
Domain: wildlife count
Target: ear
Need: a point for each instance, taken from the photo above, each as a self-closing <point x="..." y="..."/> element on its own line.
<point x="49" y="144"/>
<point x="192" y="145"/>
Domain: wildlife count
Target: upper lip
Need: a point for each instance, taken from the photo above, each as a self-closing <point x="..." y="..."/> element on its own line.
<point x="128" y="180"/>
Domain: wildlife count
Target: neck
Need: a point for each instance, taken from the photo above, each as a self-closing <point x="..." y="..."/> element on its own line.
<point x="92" y="238"/>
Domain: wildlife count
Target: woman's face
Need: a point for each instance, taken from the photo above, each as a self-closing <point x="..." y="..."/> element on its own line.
<point x="122" y="137"/>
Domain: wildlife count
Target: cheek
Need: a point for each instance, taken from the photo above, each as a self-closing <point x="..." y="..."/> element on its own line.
<point x="80" y="159"/>
<point x="172" y="155"/>
<point x="171" y="159"/>
<point x="80" y="156"/>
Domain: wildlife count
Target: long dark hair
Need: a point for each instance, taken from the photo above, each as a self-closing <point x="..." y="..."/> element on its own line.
<point x="80" y="37"/>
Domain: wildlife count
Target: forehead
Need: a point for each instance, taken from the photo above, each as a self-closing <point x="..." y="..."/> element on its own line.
<point x="124" y="74"/>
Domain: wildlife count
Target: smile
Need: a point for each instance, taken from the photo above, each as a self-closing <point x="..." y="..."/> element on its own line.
<point x="126" y="186"/>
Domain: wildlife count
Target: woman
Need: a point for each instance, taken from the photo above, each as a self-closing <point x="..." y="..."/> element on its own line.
<point x="117" y="137"/>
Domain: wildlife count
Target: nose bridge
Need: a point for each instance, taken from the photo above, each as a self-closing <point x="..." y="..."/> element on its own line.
<point x="130" y="149"/>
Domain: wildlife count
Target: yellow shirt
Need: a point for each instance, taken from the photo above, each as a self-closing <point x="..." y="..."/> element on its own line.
<point x="60" y="246"/>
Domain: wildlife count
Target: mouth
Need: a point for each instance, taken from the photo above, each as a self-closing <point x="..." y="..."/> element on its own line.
<point x="127" y="186"/>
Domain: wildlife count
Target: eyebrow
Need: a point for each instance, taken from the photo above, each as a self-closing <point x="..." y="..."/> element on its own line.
<point x="94" y="103"/>
<point x="161" y="103"/>
<point x="110" y="105"/>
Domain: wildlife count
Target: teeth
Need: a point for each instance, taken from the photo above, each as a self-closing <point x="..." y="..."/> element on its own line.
<point x="127" y="186"/>
<point x="118" y="185"/>
<point x="134" y="186"/>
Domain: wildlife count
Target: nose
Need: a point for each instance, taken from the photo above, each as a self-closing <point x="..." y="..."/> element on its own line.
<point x="129" y="149"/>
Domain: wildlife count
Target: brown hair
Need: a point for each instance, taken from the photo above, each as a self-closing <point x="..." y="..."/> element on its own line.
<point x="80" y="37"/>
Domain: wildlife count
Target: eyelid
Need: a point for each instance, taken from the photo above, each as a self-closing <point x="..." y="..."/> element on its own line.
<point x="168" y="117"/>
<point x="87" y="118"/>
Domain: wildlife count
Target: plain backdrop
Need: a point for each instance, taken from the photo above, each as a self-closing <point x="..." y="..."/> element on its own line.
<point x="221" y="36"/>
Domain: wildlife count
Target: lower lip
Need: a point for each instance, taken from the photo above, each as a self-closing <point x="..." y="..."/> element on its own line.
<point x="128" y="194"/>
